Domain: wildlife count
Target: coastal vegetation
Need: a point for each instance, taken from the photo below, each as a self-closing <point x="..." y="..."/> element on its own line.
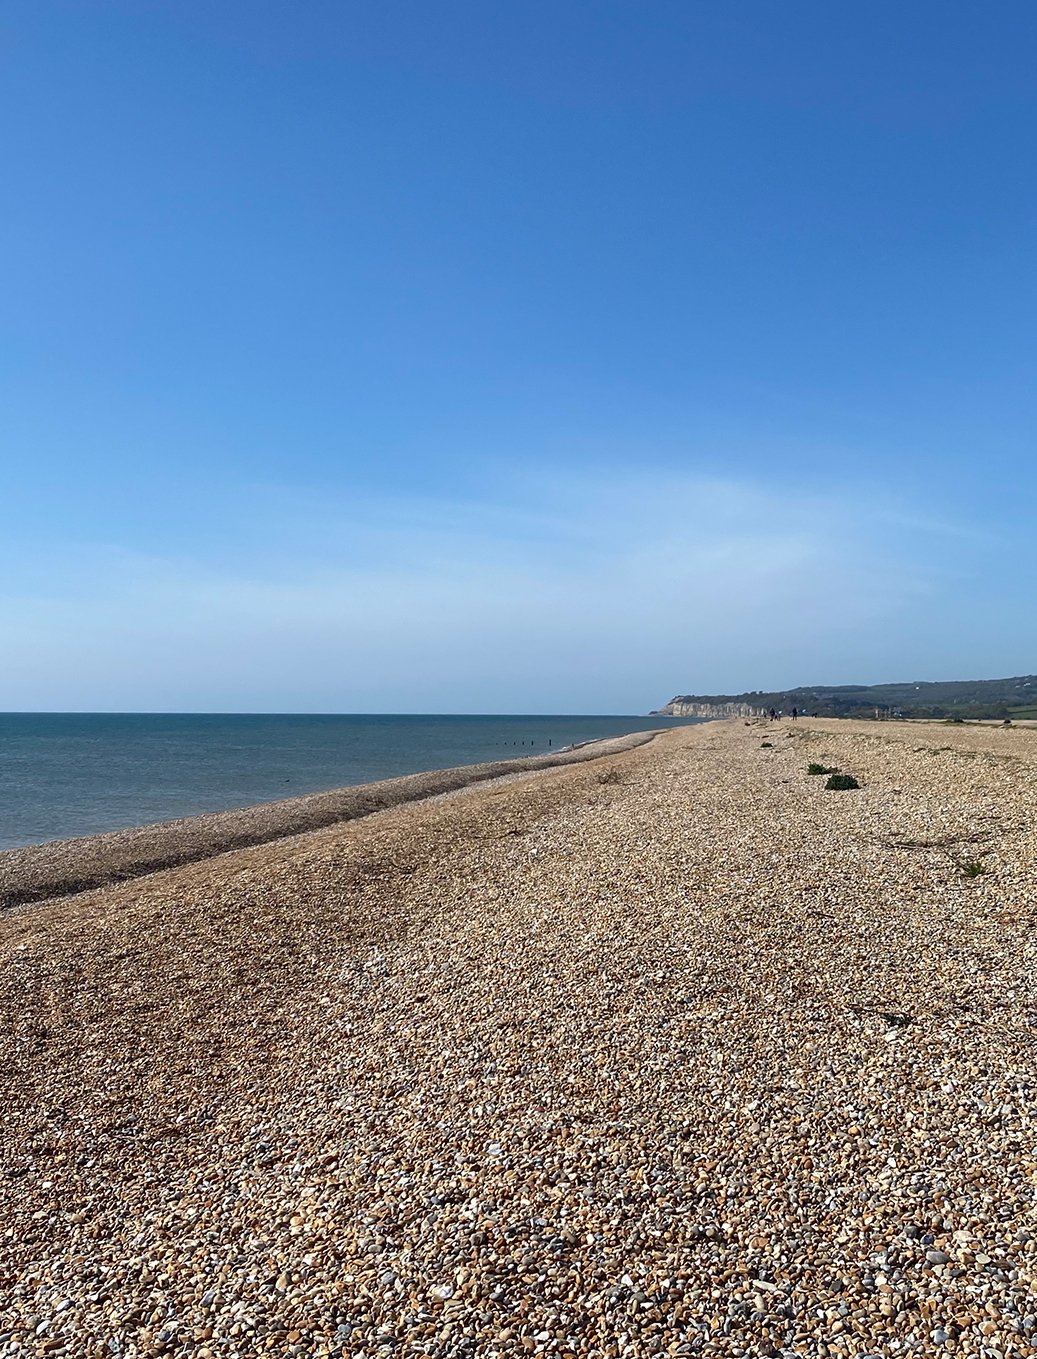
<point x="956" y="700"/>
<point x="841" y="783"/>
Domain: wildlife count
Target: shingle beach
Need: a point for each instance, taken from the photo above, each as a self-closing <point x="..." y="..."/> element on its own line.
<point x="671" y="1052"/>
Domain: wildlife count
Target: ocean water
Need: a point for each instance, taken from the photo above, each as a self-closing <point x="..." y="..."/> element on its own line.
<point x="66" y="774"/>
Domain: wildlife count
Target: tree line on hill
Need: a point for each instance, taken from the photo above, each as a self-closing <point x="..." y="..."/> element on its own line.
<point x="967" y="699"/>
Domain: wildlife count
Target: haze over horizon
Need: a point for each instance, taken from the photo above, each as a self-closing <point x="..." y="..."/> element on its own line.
<point x="523" y="358"/>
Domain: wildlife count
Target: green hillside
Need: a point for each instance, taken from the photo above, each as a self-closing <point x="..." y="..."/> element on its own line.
<point x="1001" y="698"/>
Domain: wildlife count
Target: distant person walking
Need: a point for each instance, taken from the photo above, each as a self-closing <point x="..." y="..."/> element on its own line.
<point x="795" y="714"/>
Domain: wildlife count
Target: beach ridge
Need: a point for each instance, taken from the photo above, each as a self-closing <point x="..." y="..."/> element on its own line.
<point x="672" y="1053"/>
<point x="64" y="867"/>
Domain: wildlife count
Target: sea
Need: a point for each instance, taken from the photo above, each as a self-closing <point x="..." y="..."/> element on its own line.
<point x="69" y="774"/>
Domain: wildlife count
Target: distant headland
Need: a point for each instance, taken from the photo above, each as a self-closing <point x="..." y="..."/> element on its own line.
<point x="1004" y="699"/>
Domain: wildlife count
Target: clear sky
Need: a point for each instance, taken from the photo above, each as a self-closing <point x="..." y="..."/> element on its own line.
<point x="513" y="355"/>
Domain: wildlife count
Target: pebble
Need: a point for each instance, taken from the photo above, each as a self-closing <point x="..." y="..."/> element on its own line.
<point x="594" y="1063"/>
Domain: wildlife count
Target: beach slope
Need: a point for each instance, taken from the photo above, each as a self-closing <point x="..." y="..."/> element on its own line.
<point x="671" y="1052"/>
<point x="62" y="867"/>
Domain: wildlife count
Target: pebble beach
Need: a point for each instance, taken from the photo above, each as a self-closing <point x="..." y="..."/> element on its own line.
<point x="667" y="1052"/>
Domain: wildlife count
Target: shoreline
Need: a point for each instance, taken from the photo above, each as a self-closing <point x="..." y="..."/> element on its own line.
<point x="65" y="867"/>
<point x="675" y="1052"/>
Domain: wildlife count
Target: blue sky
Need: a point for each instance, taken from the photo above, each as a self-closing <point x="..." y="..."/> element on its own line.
<point x="514" y="356"/>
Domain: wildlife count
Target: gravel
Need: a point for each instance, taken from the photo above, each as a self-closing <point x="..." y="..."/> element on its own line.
<point x="63" y="867"/>
<point x="669" y="1053"/>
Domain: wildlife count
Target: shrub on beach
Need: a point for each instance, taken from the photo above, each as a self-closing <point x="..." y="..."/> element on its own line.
<point x="839" y="783"/>
<point x="821" y="769"/>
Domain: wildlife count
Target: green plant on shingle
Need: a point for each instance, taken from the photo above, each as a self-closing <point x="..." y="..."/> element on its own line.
<point x="973" y="869"/>
<point x="840" y="783"/>
<point x="821" y="769"/>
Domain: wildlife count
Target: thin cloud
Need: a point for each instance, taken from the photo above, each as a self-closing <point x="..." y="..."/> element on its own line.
<point x="608" y="597"/>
